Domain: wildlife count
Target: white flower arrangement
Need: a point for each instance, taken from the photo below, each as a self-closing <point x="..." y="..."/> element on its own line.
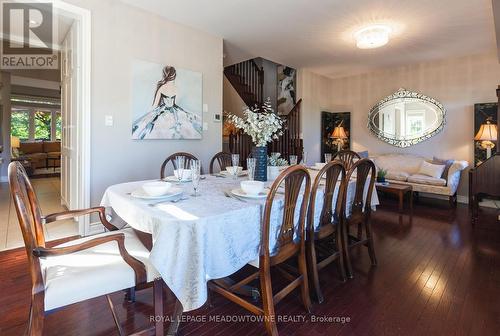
<point x="262" y="124"/>
<point x="275" y="159"/>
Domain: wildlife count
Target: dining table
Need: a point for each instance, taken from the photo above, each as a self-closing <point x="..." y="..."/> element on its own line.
<point x="210" y="236"/>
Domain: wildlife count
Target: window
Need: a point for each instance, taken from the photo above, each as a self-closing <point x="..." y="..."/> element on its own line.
<point x="58" y="125"/>
<point x="43" y="125"/>
<point x="20" y="123"/>
<point x="36" y="124"/>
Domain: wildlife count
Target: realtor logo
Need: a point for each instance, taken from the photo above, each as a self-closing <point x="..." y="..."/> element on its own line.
<point x="27" y="36"/>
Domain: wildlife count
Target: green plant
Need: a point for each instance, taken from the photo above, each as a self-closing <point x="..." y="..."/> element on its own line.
<point x="276" y="160"/>
<point x="381" y="173"/>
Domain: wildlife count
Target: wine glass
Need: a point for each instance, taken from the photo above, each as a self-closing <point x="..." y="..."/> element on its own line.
<point x="328" y="157"/>
<point x="293" y="159"/>
<point x="195" y="176"/>
<point x="235" y="159"/>
<point x="251" y="168"/>
<point x="304" y="159"/>
<point x="179" y="163"/>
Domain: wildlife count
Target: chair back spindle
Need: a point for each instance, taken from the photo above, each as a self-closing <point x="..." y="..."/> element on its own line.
<point x="223" y="159"/>
<point x="30" y="218"/>
<point x="293" y="178"/>
<point x="365" y="169"/>
<point x="188" y="158"/>
<point x="330" y="213"/>
<point x="347" y="157"/>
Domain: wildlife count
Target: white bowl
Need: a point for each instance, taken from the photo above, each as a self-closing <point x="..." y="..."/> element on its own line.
<point x="156" y="188"/>
<point x="186" y="174"/>
<point x="252" y="188"/>
<point x="320" y="165"/>
<point x="230" y="170"/>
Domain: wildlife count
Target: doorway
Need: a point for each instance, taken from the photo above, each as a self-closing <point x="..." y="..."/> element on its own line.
<point x="60" y="175"/>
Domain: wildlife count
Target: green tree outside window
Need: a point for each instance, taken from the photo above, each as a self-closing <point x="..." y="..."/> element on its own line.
<point x="20" y="125"/>
<point x="43" y="121"/>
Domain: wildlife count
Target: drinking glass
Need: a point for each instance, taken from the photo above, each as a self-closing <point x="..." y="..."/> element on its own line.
<point x="179" y="163"/>
<point x="304" y="159"/>
<point x="293" y="160"/>
<point x="328" y="157"/>
<point x="235" y="159"/>
<point x="195" y="176"/>
<point x="251" y="168"/>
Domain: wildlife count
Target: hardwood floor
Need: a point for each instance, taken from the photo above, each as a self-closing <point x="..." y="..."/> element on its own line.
<point x="436" y="276"/>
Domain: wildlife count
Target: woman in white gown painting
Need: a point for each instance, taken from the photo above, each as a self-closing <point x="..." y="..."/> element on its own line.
<point x="167" y="120"/>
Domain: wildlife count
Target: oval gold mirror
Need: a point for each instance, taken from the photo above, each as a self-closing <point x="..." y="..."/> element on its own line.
<point x="406" y="118"/>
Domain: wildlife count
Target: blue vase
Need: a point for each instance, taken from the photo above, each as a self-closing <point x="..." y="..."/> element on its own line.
<point x="260" y="155"/>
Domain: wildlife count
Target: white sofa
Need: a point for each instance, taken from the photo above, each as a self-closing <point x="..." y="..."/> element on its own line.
<point x="403" y="169"/>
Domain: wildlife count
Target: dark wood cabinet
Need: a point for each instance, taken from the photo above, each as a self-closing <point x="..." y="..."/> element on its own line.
<point x="484" y="180"/>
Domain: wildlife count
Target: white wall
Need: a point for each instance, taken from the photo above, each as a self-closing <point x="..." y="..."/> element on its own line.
<point x="232" y="102"/>
<point x="5" y="124"/>
<point x="120" y="34"/>
<point x="457" y="83"/>
<point x="316" y="92"/>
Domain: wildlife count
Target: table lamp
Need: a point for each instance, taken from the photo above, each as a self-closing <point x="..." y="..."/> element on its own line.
<point x="15" y="143"/>
<point x="486" y="134"/>
<point x="339" y="135"/>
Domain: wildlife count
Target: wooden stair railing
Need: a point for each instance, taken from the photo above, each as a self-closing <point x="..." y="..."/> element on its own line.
<point x="247" y="78"/>
<point x="290" y="143"/>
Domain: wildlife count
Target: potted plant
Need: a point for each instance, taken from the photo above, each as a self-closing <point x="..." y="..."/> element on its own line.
<point x="381" y="173"/>
<point x="263" y="126"/>
<point x="275" y="164"/>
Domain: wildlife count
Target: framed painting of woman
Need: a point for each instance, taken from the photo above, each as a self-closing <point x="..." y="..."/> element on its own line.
<point x="167" y="102"/>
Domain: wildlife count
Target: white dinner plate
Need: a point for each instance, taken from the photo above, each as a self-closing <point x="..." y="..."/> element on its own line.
<point x="240" y="193"/>
<point x="175" y="179"/>
<point x="225" y="173"/>
<point x="140" y="193"/>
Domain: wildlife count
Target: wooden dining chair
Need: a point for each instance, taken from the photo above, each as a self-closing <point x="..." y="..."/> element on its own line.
<point x="326" y="239"/>
<point x="80" y="269"/>
<point x="360" y="211"/>
<point x="223" y="159"/>
<point x="290" y="235"/>
<point x="347" y="157"/>
<point x="187" y="157"/>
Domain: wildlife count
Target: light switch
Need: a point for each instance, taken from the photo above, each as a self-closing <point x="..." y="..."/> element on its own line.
<point x="205" y="126"/>
<point x="205" y="107"/>
<point x="108" y="120"/>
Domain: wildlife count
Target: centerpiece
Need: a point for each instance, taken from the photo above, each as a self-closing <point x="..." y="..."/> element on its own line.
<point x="275" y="163"/>
<point x="263" y="126"/>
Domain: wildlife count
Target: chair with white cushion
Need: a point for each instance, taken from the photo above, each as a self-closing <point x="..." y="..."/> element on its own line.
<point x="80" y="269"/>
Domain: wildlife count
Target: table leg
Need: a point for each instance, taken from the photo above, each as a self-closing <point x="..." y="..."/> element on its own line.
<point x="411" y="202"/>
<point x="176" y="319"/>
<point x="158" y="306"/>
<point x="401" y="198"/>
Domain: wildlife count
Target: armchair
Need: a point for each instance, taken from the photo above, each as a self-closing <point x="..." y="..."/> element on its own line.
<point x="80" y="269"/>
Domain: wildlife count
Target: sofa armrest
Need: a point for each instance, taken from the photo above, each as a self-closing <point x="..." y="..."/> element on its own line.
<point x="454" y="175"/>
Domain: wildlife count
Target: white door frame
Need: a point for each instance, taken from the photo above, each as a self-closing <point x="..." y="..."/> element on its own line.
<point x="82" y="19"/>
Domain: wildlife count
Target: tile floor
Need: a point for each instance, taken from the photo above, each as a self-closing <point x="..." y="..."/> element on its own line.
<point x="48" y="193"/>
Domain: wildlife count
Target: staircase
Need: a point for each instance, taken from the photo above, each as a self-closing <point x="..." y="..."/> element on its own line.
<point x="248" y="79"/>
<point x="290" y="143"/>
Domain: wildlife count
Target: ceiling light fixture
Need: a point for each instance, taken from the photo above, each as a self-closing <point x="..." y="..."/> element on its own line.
<point x="373" y="36"/>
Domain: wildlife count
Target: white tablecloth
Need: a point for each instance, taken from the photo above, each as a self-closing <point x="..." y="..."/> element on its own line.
<point x="202" y="238"/>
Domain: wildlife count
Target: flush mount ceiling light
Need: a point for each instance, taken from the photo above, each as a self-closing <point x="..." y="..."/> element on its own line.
<point x="373" y="36"/>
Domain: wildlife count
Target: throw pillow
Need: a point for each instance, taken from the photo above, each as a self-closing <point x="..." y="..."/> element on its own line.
<point x="363" y="154"/>
<point x="431" y="170"/>
<point x="447" y="164"/>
